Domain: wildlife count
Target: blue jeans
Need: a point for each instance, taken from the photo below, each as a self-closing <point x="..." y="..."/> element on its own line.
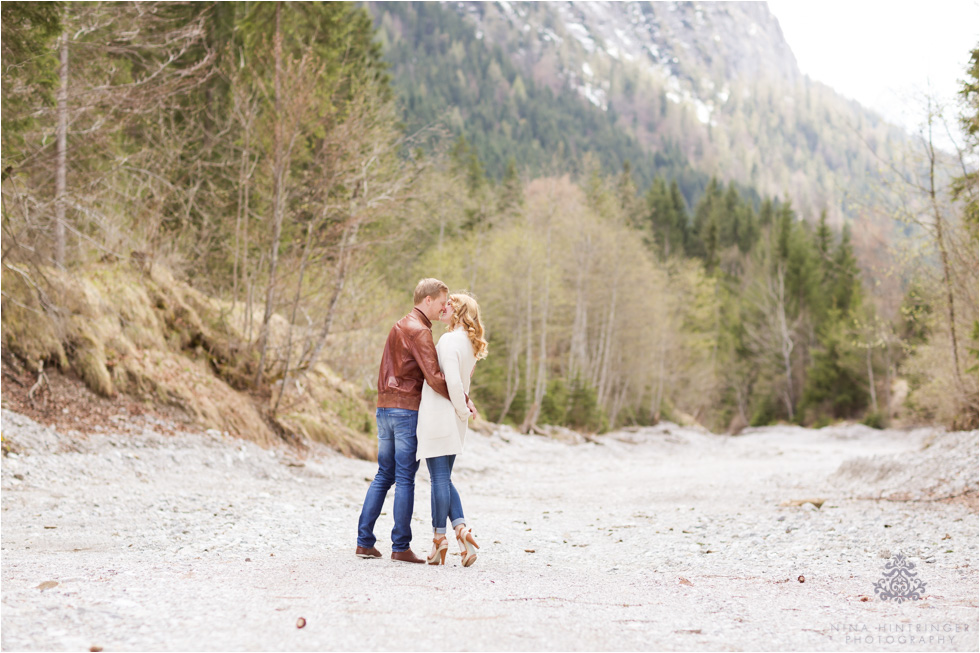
<point x="397" y="444"/>
<point x="445" y="499"/>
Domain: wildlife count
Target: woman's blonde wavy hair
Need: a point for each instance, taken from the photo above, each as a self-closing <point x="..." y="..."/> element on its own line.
<point x="467" y="312"/>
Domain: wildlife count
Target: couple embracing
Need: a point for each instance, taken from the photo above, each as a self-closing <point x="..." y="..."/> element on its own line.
<point x="423" y="412"/>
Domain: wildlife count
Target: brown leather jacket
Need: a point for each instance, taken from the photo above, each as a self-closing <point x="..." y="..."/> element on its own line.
<point x="409" y="359"/>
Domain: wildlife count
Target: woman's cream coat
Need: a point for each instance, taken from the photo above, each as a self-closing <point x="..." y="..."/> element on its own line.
<point x="442" y="423"/>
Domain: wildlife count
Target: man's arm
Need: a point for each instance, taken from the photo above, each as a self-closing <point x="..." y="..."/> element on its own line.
<point x="425" y="355"/>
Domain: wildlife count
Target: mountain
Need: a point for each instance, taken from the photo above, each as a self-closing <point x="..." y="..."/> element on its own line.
<point x="682" y="90"/>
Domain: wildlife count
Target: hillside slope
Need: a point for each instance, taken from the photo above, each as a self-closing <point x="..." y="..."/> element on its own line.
<point x="144" y="341"/>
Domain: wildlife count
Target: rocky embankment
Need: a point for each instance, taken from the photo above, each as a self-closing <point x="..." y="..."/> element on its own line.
<point x="145" y="537"/>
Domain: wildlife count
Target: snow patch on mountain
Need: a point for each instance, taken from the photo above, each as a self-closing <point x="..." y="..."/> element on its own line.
<point x="692" y="47"/>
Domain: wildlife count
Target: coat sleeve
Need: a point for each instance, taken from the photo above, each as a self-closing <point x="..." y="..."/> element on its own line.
<point x="449" y="361"/>
<point x="428" y="361"/>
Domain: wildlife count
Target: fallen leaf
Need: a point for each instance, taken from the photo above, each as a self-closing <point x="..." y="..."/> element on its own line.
<point x="48" y="584"/>
<point x="684" y="581"/>
<point x="800" y="502"/>
<point x="95" y="649"/>
<point x="528" y="550"/>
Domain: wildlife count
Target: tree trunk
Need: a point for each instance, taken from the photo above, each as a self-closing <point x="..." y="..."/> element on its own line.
<point x="513" y="382"/>
<point x="741" y="401"/>
<point x="658" y="393"/>
<point x="541" y="385"/>
<point x="617" y="405"/>
<point x="887" y="389"/>
<point x="292" y="319"/>
<point x="277" y="198"/>
<point x="603" y="364"/>
<point x="241" y="217"/>
<point x="578" y="351"/>
<point x="339" y="281"/>
<point x="61" y="174"/>
<point x="605" y="368"/>
<point x="786" y="339"/>
<point x="247" y="275"/>
<point x="529" y="348"/>
<point x="871" y="381"/>
<point x="944" y="257"/>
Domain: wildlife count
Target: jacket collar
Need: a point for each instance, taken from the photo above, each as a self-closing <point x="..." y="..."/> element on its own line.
<point x="426" y="321"/>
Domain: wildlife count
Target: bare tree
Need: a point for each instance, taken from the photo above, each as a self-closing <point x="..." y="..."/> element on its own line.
<point x="360" y="183"/>
<point x="770" y="333"/>
<point x="61" y="175"/>
<point x="938" y="228"/>
<point x="921" y="191"/>
<point x="288" y="127"/>
<point x="278" y="175"/>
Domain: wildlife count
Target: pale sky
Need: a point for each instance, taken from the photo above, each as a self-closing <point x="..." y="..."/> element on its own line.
<point x="885" y="55"/>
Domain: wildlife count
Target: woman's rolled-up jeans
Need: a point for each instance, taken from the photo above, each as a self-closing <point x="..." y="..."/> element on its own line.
<point x="445" y="499"/>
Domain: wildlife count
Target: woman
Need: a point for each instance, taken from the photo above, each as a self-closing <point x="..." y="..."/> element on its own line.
<point x="442" y="423"/>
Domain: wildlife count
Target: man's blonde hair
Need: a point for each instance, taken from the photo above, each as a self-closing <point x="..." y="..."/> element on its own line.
<point x="429" y="288"/>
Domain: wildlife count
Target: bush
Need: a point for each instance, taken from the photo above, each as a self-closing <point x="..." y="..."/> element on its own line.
<point x="764" y="412"/>
<point x="584" y="412"/>
<point x="554" y="405"/>
<point x="875" y="419"/>
<point x="835" y="384"/>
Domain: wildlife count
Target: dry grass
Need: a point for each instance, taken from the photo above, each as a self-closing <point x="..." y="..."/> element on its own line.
<point x="154" y="338"/>
<point x="938" y="394"/>
<point x="323" y="407"/>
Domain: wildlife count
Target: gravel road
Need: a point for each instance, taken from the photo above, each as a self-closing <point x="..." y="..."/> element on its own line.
<point x="671" y="538"/>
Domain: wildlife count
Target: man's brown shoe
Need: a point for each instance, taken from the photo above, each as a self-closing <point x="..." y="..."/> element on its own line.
<point x="362" y="552"/>
<point x="406" y="556"/>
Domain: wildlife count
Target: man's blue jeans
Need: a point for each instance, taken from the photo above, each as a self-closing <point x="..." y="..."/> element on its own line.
<point x="397" y="443"/>
<point x="445" y="499"/>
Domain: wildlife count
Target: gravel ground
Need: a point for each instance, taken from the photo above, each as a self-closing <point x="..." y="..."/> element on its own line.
<point x="658" y="538"/>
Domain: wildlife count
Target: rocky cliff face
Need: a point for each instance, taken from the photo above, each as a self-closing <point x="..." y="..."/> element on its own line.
<point x="695" y="49"/>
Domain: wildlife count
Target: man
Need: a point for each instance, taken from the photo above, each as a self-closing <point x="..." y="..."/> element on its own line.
<point x="409" y="358"/>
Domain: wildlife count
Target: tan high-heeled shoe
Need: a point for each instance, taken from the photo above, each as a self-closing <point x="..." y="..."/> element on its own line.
<point x="467" y="544"/>
<point x="440" y="546"/>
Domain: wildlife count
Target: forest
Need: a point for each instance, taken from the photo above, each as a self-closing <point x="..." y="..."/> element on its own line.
<point x="243" y="189"/>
